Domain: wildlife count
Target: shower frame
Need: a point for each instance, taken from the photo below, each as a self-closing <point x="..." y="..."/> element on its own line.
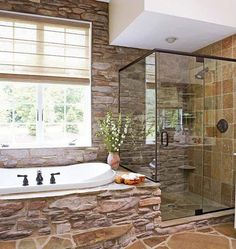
<point x="199" y="58"/>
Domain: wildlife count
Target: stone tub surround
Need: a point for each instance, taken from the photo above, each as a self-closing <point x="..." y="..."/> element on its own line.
<point x="106" y="61"/>
<point x="200" y="235"/>
<point x="106" y="217"/>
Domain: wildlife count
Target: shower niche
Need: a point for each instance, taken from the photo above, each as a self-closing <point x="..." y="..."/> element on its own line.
<point x="175" y="102"/>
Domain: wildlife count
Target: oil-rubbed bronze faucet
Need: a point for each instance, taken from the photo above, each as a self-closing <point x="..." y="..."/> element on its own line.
<point x="39" y="178"/>
<point x="52" y="179"/>
<point x="25" y="181"/>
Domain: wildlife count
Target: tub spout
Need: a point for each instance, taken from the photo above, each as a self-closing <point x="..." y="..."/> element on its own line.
<point x="39" y="178"/>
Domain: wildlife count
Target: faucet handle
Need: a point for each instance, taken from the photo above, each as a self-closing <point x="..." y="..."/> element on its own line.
<point x="25" y="180"/>
<point x="52" y="179"/>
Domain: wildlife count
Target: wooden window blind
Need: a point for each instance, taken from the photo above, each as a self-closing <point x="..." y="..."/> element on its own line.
<point x="44" y="49"/>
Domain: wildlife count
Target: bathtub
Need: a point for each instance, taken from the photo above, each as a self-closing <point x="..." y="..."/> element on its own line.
<point x="77" y="176"/>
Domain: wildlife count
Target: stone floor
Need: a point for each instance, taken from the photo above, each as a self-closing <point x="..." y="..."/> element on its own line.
<point x="222" y="236"/>
<point x="183" y="204"/>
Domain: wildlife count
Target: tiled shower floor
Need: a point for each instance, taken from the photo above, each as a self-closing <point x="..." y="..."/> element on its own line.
<point x="179" y="205"/>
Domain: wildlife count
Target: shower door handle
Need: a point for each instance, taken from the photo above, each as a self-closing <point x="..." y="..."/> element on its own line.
<point x="162" y="139"/>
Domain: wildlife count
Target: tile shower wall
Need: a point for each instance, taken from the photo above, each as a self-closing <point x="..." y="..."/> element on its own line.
<point x="106" y="60"/>
<point x="219" y="162"/>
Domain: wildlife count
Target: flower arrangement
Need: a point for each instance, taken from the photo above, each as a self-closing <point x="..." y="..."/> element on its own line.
<point x="114" y="130"/>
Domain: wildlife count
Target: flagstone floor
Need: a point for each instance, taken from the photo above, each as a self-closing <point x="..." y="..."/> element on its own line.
<point x="222" y="236"/>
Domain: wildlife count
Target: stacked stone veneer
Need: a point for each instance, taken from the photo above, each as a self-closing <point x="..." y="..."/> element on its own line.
<point x="100" y="219"/>
<point x="136" y="153"/>
<point x="106" y="60"/>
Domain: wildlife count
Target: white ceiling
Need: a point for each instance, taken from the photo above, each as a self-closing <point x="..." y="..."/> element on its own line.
<point x="195" y="23"/>
<point x="150" y="30"/>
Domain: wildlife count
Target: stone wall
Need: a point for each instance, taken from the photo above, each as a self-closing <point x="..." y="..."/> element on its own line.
<point x="218" y="179"/>
<point x="137" y="82"/>
<point x="96" y="219"/>
<point x="106" y="60"/>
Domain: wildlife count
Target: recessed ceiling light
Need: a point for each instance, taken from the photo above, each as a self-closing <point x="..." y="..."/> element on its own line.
<point x="171" y="40"/>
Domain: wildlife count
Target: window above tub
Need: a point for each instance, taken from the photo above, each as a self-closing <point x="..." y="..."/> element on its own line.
<point x="44" y="81"/>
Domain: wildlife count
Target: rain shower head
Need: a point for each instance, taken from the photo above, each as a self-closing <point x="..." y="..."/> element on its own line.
<point x="201" y="75"/>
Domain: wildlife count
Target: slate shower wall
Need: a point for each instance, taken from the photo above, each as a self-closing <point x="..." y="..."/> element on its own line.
<point x="218" y="180"/>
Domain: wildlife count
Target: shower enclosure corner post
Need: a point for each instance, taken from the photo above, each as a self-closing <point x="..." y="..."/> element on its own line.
<point x="156" y="115"/>
<point x="119" y="97"/>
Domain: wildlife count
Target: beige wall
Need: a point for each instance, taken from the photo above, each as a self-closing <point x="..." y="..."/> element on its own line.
<point x="122" y="13"/>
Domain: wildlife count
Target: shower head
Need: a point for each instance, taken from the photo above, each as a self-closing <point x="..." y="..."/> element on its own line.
<point x="201" y="75"/>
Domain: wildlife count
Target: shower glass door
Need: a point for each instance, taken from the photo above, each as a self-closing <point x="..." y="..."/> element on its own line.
<point x="218" y="150"/>
<point x="180" y="114"/>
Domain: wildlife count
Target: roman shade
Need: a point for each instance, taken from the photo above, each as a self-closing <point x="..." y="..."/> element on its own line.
<point x="44" y="49"/>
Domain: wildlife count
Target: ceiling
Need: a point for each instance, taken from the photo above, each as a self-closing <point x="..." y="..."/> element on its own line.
<point x="150" y="30"/>
<point x="147" y="23"/>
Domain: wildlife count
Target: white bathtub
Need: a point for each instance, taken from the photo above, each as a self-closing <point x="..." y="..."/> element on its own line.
<point x="78" y="176"/>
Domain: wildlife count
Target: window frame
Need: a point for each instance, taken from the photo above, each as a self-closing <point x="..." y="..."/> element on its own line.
<point x="41" y="79"/>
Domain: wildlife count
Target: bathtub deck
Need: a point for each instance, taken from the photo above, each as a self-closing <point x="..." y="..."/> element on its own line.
<point x="109" y="187"/>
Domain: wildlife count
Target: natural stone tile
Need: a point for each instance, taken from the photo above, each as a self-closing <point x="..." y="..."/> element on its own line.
<point x="42" y="240"/>
<point x="75" y="203"/>
<point x="157" y="192"/>
<point x="8" y="209"/>
<point x="32" y="223"/>
<point x="228" y="101"/>
<point x="175" y="229"/>
<point x="8" y="245"/>
<point x="197" y="241"/>
<point x="226" y="229"/>
<point x="150" y="201"/>
<point x="233" y="243"/>
<point x="63" y="228"/>
<point x="227" y="42"/>
<point x="27" y="244"/>
<point x="14" y="235"/>
<point x="36" y="205"/>
<point x="58" y="243"/>
<point x="107" y="206"/>
<point x="227" y="194"/>
<point x="44" y="231"/>
<point x="18" y="153"/>
<point x="137" y="245"/>
<point x="205" y="230"/>
<point x="100" y="234"/>
<point x="161" y="247"/>
<point x="154" y="241"/>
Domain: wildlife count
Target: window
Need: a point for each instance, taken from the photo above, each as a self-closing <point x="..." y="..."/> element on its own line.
<point x="171" y="118"/>
<point x="45" y="82"/>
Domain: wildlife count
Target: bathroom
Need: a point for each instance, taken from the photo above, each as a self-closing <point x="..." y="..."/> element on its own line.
<point x="187" y="161"/>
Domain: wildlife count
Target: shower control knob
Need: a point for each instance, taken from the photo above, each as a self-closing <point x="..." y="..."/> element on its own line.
<point x="52" y="179"/>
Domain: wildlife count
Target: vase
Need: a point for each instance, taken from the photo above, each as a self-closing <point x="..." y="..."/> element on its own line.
<point x="113" y="160"/>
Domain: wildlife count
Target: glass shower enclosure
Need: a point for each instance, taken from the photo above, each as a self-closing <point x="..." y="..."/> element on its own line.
<point x="182" y="110"/>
